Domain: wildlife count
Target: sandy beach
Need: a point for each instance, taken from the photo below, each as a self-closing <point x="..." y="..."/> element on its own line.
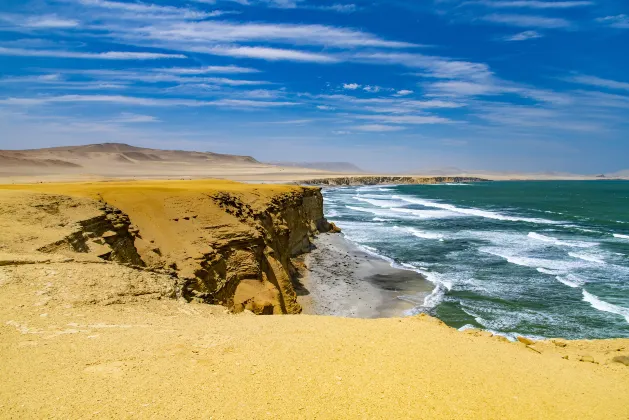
<point x="345" y="280"/>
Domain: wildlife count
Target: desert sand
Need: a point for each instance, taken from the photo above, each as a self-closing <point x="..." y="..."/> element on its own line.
<point x="107" y="293"/>
<point x="122" y="161"/>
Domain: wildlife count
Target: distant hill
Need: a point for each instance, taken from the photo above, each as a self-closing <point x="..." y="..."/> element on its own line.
<point x="344" y="167"/>
<point x="113" y="159"/>
<point x="619" y="174"/>
<point x="121" y="153"/>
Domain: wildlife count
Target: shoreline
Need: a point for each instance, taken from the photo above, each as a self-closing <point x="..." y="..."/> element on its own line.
<point x="340" y="279"/>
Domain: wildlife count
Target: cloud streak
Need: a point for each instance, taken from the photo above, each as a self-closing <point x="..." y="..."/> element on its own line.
<point x="528" y="21"/>
<point x="109" y="55"/>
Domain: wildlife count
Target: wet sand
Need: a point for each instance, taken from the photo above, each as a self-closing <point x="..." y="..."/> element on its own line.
<point x="343" y="280"/>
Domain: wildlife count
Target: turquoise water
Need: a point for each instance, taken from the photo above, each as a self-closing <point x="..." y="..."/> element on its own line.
<point x="542" y="259"/>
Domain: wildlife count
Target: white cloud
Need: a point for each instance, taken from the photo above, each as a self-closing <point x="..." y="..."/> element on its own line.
<point x="340" y="8"/>
<point x="378" y="128"/>
<point x="146" y="11"/>
<point x="110" y="55"/>
<point x="528" y="21"/>
<point x="207" y="69"/>
<point x="49" y="22"/>
<point x="439" y="67"/>
<point x="127" y="118"/>
<point x="533" y="4"/>
<point x="405" y="119"/>
<point x="271" y="54"/>
<point x="599" y="82"/>
<point x="523" y="36"/>
<point x="403" y="92"/>
<point x="618" y="21"/>
<point x="139" y="101"/>
<point x="202" y="33"/>
<point x="156" y="77"/>
<point x="351" y="86"/>
<point x="372" y="89"/>
<point x="325" y="108"/>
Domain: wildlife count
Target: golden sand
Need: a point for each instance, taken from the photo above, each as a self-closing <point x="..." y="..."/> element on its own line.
<point x="88" y="339"/>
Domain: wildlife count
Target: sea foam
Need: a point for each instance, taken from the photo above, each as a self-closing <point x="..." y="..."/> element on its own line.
<point x="601" y="305"/>
<point x="472" y="211"/>
<point x="620" y="236"/>
<point x="557" y="242"/>
<point x="587" y="257"/>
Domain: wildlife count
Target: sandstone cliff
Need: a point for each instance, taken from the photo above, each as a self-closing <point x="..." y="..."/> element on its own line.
<point x="212" y="242"/>
<point x="377" y="180"/>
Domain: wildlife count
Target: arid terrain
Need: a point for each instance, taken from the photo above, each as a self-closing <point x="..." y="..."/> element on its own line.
<point x="106" y="293"/>
<point x="122" y="161"/>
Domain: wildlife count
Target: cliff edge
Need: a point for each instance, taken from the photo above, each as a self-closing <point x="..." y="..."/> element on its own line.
<point x="215" y="242"/>
<point x="379" y="180"/>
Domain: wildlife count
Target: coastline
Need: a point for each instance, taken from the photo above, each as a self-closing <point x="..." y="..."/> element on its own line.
<point x="79" y="320"/>
<point x="343" y="280"/>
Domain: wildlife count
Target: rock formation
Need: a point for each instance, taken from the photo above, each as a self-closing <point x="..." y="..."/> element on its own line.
<point x="377" y="180"/>
<point x="231" y="246"/>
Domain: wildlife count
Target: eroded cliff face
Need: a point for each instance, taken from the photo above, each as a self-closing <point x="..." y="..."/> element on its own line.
<point x="254" y="270"/>
<point x="377" y="180"/>
<point x="232" y="245"/>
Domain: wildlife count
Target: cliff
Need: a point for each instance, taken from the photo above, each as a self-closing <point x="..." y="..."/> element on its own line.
<point x="215" y="242"/>
<point x="377" y="180"/>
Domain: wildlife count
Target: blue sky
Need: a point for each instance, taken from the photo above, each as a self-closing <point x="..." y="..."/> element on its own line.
<point x="525" y="85"/>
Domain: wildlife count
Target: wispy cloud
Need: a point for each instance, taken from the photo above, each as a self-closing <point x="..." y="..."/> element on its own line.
<point x="351" y="86"/>
<point x="532" y="4"/>
<point x="228" y="32"/>
<point x="523" y="36"/>
<point x="618" y="21"/>
<point x="270" y="54"/>
<point x="378" y="128"/>
<point x="140" y="101"/>
<point x="405" y="119"/>
<point x="39" y="22"/>
<point x="110" y="55"/>
<point x="128" y="118"/>
<point x="147" y="11"/>
<point x="207" y="70"/>
<point x="599" y="82"/>
<point x="528" y="21"/>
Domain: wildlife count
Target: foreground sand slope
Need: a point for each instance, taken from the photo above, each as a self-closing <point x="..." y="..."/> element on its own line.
<point x="68" y="355"/>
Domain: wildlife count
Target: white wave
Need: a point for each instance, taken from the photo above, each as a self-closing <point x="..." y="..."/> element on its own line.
<point x="472" y="211"/>
<point x="571" y="280"/>
<point x="427" y="214"/>
<point x="554" y="241"/>
<point x="620" y="236"/>
<point x="368" y="210"/>
<point x="455" y="183"/>
<point x="601" y="305"/>
<point x="379" y="202"/>
<point x="550" y="272"/>
<point x="587" y="257"/>
<point x="557" y="266"/>
<point x="436" y="297"/>
<point x="380" y="219"/>
<point x="385" y="189"/>
<point x="421" y="234"/>
<point x="332" y="213"/>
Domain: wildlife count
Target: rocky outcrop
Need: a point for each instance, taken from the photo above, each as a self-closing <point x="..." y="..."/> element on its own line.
<point x="233" y="247"/>
<point x="254" y="270"/>
<point x="377" y="180"/>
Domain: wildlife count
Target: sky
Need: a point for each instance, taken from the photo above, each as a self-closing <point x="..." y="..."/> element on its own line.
<point x="396" y="86"/>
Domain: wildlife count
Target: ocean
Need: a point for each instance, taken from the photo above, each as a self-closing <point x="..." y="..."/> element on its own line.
<point x="536" y="258"/>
